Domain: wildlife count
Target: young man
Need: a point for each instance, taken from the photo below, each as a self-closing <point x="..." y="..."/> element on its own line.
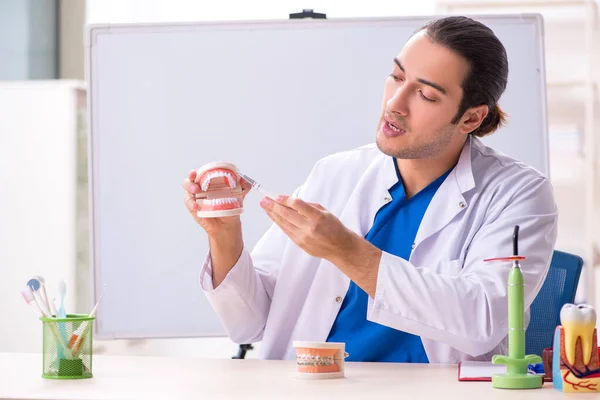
<point x="383" y="247"/>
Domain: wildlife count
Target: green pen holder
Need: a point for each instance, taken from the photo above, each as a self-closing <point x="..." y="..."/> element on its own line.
<point x="67" y="349"/>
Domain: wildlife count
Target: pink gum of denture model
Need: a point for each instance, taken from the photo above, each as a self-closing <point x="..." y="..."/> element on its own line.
<point x="319" y="360"/>
<point x="221" y="191"/>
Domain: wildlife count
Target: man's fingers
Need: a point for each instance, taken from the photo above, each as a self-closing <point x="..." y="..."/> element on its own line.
<point x="190" y="186"/>
<point x="190" y="202"/>
<point x="300" y="206"/>
<point x="320" y="207"/>
<point x="190" y="183"/>
<point x="284" y="225"/>
<point x="285" y="213"/>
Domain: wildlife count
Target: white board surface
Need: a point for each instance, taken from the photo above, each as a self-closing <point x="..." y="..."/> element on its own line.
<point x="270" y="96"/>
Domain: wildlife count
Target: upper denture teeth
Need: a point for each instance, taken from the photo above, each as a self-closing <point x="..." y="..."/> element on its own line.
<point x="218" y="174"/>
<point x="231" y="180"/>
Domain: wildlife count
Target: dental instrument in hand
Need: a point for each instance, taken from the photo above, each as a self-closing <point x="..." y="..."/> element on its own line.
<point x="256" y="185"/>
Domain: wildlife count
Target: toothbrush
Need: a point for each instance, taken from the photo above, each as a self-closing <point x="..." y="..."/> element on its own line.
<point x="61" y="313"/>
<point x="29" y="295"/>
<point x="43" y="286"/>
<point x="34" y="285"/>
<point x="62" y="291"/>
<point x="30" y="299"/>
<point x="77" y="336"/>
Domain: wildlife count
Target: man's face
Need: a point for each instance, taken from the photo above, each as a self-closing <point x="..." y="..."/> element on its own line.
<point x="421" y="98"/>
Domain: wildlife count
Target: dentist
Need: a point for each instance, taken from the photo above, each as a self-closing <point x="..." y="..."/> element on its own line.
<point x="383" y="246"/>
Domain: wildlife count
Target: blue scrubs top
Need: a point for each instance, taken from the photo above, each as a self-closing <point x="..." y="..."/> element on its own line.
<point x="393" y="231"/>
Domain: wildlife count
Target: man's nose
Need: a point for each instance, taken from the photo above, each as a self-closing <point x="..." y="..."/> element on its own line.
<point x="398" y="103"/>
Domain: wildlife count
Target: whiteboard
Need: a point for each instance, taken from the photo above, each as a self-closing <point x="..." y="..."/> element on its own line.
<point x="271" y="97"/>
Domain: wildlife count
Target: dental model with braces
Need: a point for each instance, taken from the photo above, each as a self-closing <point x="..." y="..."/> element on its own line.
<point x="221" y="192"/>
<point x="319" y="360"/>
<point x="314" y="360"/>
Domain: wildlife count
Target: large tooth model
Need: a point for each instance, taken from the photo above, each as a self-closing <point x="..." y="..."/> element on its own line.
<point x="575" y="356"/>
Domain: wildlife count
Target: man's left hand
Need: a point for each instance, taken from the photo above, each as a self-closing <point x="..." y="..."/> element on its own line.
<point x="310" y="226"/>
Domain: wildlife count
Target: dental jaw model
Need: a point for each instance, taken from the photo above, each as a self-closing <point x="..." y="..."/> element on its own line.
<point x="221" y="192"/>
<point x="319" y="360"/>
<point x="575" y="366"/>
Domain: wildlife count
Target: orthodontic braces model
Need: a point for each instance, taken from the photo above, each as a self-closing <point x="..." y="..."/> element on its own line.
<point x="319" y="360"/>
<point x="314" y="361"/>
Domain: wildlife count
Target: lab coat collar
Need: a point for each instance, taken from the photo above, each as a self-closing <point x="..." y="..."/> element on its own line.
<point x="389" y="177"/>
<point x="463" y="170"/>
<point x="372" y="192"/>
<point x="449" y="199"/>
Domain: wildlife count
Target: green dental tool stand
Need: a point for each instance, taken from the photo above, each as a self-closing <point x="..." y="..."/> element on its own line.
<point x="516" y="376"/>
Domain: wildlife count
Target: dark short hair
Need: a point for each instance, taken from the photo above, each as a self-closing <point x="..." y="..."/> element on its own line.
<point x="487" y="76"/>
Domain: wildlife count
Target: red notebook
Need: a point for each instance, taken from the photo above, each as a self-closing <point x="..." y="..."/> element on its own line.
<point x="478" y="371"/>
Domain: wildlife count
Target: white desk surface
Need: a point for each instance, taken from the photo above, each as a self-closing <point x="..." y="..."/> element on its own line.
<point x="140" y="377"/>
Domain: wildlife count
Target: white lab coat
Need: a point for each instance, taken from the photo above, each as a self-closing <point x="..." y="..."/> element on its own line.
<point x="444" y="293"/>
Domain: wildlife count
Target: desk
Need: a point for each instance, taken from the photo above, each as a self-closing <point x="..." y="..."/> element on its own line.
<point x="117" y="377"/>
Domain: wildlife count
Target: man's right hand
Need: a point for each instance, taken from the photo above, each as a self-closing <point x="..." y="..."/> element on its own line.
<point x="214" y="227"/>
<point x="224" y="233"/>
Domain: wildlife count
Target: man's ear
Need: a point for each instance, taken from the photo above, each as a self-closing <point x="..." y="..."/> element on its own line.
<point x="472" y="118"/>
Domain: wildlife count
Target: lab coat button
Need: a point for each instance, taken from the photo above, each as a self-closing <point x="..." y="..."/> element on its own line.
<point x="413" y="246"/>
<point x="387" y="199"/>
<point x="338" y="299"/>
<point x="462" y="204"/>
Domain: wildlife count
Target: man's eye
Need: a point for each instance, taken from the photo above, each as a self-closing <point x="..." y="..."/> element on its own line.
<point x="425" y="97"/>
<point x="396" y="77"/>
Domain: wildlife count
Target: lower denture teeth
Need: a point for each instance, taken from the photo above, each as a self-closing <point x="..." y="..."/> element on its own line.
<point x="219" y="201"/>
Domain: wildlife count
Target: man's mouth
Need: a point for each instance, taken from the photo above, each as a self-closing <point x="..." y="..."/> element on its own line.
<point x="391" y="127"/>
<point x="394" y="127"/>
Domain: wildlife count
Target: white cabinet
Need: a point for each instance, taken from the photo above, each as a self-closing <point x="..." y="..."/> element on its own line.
<point x="42" y="211"/>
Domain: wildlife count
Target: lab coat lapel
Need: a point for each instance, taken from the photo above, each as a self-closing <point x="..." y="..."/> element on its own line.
<point x="371" y="193"/>
<point x="449" y="199"/>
